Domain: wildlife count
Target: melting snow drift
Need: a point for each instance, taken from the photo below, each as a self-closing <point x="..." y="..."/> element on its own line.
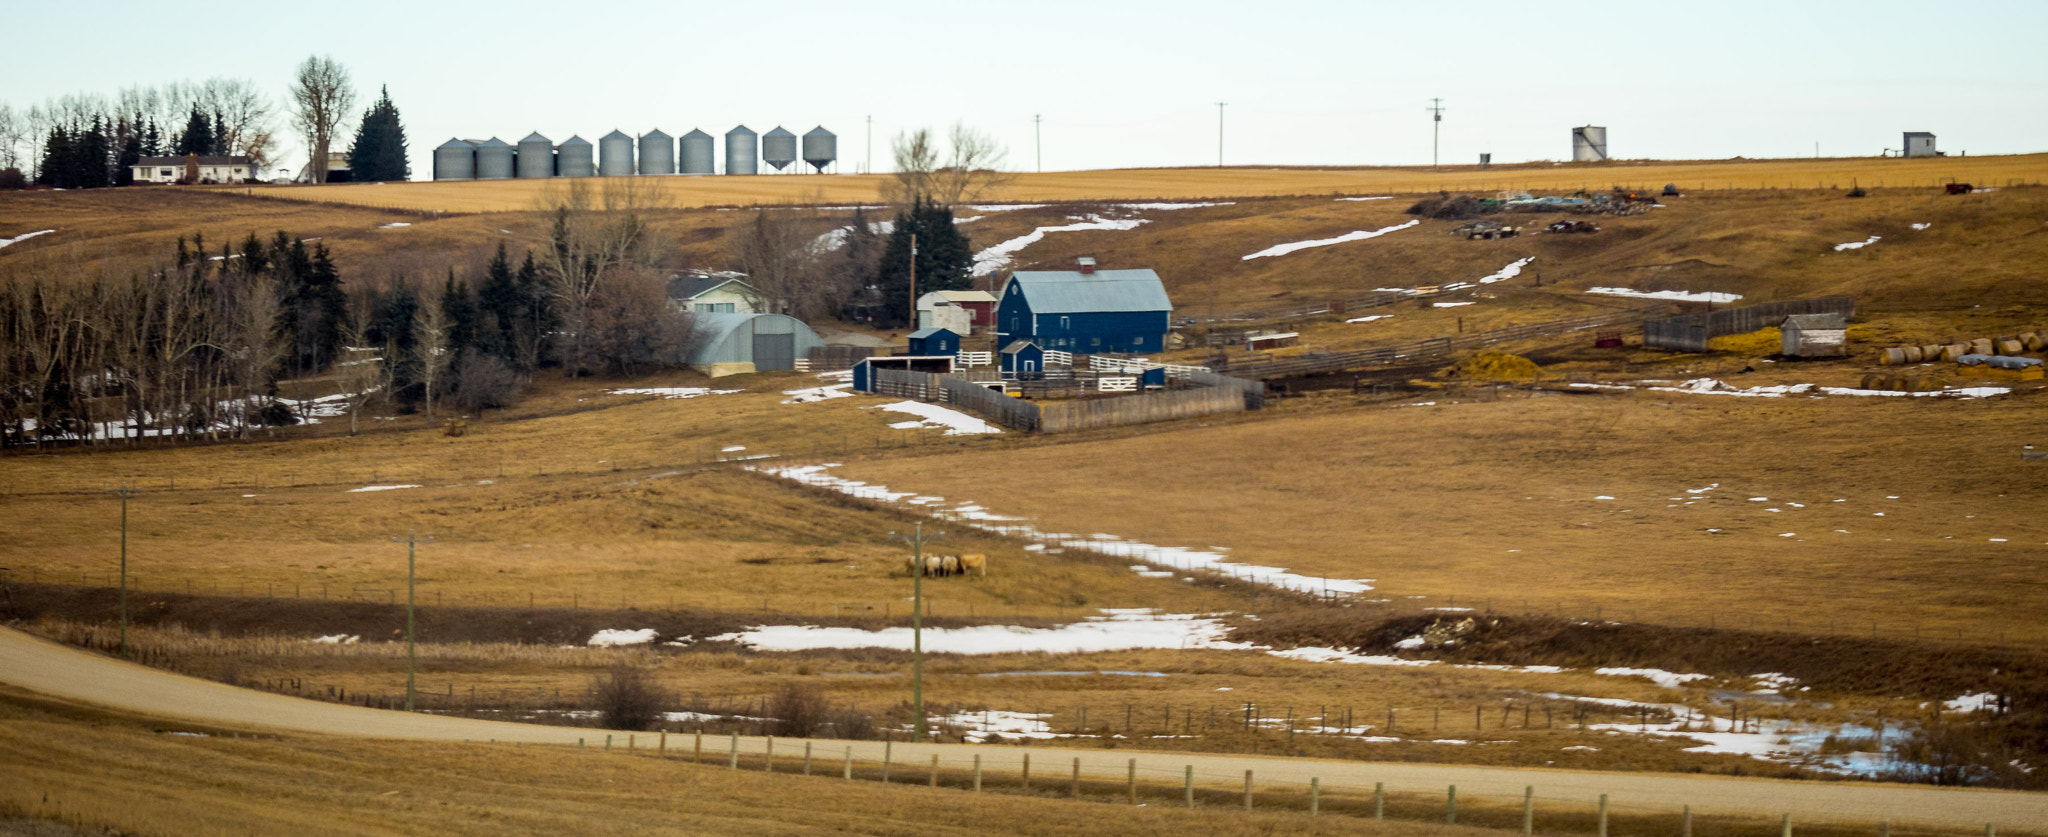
<point x="1360" y="235"/>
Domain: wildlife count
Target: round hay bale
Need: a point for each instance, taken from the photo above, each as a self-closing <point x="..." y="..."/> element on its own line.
<point x="2008" y="346"/>
<point x="1923" y="383"/>
<point x="1913" y="354"/>
<point x="1891" y="357"/>
<point x="1981" y="346"/>
<point x="2034" y="341"/>
<point x="1930" y="352"/>
<point x="1895" y="383"/>
<point x="1952" y="351"/>
<point x="1873" y="380"/>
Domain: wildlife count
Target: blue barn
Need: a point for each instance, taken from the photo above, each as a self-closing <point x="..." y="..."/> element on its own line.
<point x="934" y="341"/>
<point x="1086" y="311"/>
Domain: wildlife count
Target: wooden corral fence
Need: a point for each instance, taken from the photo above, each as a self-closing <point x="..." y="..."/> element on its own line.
<point x="836" y="358"/>
<point x="1690" y="332"/>
<point x="1066" y="416"/>
<point x="1254" y="391"/>
<point x="1015" y="413"/>
<point x="1268" y="367"/>
<point x="903" y="383"/>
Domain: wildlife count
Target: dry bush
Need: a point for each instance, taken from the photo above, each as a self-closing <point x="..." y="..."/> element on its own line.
<point x="799" y="710"/>
<point x="1449" y="207"/>
<point x="483" y="381"/>
<point x="626" y="697"/>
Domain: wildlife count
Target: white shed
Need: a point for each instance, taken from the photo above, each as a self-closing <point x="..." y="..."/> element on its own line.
<point x="1815" y="335"/>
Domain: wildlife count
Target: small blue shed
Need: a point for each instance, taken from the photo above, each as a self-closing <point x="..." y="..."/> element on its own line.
<point x="864" y="369"/>
<point x="1023" y="357"/>
<point x="1085" y="311"/>
<point x="934" y="341"/>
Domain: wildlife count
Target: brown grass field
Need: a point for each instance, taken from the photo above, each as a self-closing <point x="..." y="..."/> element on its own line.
<point x="1234" y="182"/>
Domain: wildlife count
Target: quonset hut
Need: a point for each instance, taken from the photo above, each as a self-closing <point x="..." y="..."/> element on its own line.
<point x="736" y="344"/>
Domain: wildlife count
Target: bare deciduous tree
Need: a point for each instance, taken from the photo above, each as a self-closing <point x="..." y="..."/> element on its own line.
<point x="597" y="234"/>
<point x="777" y="250"/>
<point x="361" y="370"/>
<point x="12" y="131"/>
<point x="430" y="350"/>
<point x="323" y="96"/>
<point x="971" y="167"/>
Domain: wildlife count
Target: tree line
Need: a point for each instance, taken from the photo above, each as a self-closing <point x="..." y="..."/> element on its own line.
<point x="85" y="141"/>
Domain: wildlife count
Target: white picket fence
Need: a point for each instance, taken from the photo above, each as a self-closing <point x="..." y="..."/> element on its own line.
<point x="1116" y="384"/>
<point x="1140" y="365"/>
<point x="972" y="359"/>
<point x="1054" y="357"/>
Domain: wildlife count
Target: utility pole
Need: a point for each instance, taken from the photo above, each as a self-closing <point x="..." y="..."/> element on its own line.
<point x="1436" y="110"/>
<point x="410" y="657"/>
<point x="871" y="144"/>
<point x="124" y="492"/>
<point x="1038" y="140"/>
<point x="1219" y="133"/>
<point x="917" y="541"/>
<point x="913" y="282"/>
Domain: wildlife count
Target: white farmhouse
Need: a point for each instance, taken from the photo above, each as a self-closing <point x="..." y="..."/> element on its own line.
<point x="712" y="292"/>
<point x="193" y="168"/>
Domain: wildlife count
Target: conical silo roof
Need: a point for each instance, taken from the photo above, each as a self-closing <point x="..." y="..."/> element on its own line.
<point x="536" y="137"/>
<point x="575" y="140"/>
<point x="454" y="142"/>
<point x="617" y="134"/>
<point x="656" y="134"/>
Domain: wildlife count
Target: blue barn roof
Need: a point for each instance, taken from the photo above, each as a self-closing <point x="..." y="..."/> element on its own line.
<point x="1071" y="291"/>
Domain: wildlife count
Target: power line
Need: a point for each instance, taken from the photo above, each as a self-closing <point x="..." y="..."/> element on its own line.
<point x="1436" y="110"/>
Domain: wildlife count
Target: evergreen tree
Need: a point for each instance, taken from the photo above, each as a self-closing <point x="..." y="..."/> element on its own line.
<point x="92" y="158"/>
<point x="55" y="169"/>
<point x="944" y="259"/>
<point x="378" y="153"/>
<point x="153" y="141"/>
<point x="131" y="154"/>
<point x="498" y="306"/>
<point x="461" y="310"/>
<point x="197" y="137"/>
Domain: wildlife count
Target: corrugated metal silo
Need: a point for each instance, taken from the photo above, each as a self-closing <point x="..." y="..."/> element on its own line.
<point x="493" y="159"/>
<point x="778" y="148"/>
<point x="657" y="153"/>
<point x="742" y="151"/>
<point x="700" y="153"/>
<point x="615" y="155"/>
<point x="455" y="160"/>
<point x="821" y="147"/>
<point x="574" y="158"/>
<point x="1589" y="144"/>
<point x="536" y="156"/>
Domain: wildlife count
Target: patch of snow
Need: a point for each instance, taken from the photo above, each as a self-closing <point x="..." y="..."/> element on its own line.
<point x="1372" y="198"/>
<point x="1450" y="304"/>
<point x="673" y="392"/>
<point x="23" y="237"/>
<point x="1511" y="271"/>
<point x="1118" y="632"/>
<point x="1411" y="642"/>
<point x="393" y="225"/>
<point x="339" y="639"/>
<point x="369" y="488"/>
<point x="1772" y="682"/>
<point x="610" y="637"/>
<point x="1603" y="497"/>
<point x="1669" y="680"/>
<point x="998" y="257"/>
<point x="1582" y="748"/>
<point x="1167" y="206"/>
<point x="980" y="726"/>
<point x="1980" y="702"/>
<point x="1370" y="318"/>
<point x="1360" y="235"/>
<point x="1005" y="207"/>
<point x="732" y="448"/>
<point x="1922" y="226"/>
<point x="1676" y="296"/>
<point x="955" y="422"/>
<point x="1313" y="654"/>
<point x="1857" y="245"/>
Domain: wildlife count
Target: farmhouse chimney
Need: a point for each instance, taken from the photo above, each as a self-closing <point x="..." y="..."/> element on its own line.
<point x="1087" y="265"/>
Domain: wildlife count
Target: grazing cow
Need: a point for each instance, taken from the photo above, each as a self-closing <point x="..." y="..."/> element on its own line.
<point x="976" y="563"/>
<point x="949" y="564"/>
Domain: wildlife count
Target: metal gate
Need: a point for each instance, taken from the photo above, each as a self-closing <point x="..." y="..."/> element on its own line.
<point x="774" y="351"/>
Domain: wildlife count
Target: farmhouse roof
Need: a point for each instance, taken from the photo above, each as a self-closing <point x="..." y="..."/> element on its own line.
<point x="693" y="285"/>
<point x="1911" y="134"/>
<point x="1019" y="346"/>
<point x="963" y="296"/>
<point x="1071" y="291"/>
<point x="204" y="160"/>
<point x="925" y="333"/>
<point x="1815" y="322"/>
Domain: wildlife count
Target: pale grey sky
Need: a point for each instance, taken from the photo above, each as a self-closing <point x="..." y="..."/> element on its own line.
<point x="1122" y="83"/>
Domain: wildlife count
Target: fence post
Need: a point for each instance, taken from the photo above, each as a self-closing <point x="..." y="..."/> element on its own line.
<point x="662" y="748"/>
<point x="849" y="764"/>
<point x="1027" y="772"/>
<point x="1529" y="811"/>
<point x="697" y="752"/>
<point x="887" y="746"/>
<point x="935" y="770"/>
<point x="1075" y="790"/>
<point x="607" y="742"/>
<point x="1685" y="822"/>
<point x="1132" y="781"/>
<point x="807" y="758"/>
<point x="1379" y="800"/>
<point x="1603" y="815"/>
<point x="768" y="757"/>
<point x="734" y="762"/>
<point x="977" y="773"/>
<point x="1315" y="796"/>
<point x="1785" y="826"/>
<point x="1451" y="807"/>
<point x="1188" y="786"/>
<point x="1247" y="791"/>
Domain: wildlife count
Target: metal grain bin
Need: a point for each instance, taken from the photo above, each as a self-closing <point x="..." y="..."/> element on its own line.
<point x="615" y="155"/>
<point x="657" y="153"/>
<point x="1589" y="144"/>
<point x="493" y="159"/>
<point x="455" y="160"/>
<point x="536" y="156"/>
<point x="821" y="147"/>
<point x="575" y="158"/>
<point x="778" y="148"/>
<point x="742" y="151"/>
<point x="700" y="153"/>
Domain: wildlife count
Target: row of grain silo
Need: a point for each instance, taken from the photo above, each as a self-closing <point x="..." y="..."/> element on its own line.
<point x="618" y="154"/>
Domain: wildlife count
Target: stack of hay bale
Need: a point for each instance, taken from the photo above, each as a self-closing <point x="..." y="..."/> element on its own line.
<point x="2030" y="341"/>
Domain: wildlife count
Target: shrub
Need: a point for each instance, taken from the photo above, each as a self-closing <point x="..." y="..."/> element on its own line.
<point x="626" y="697"/>
<point x="799" y="711"/>
<point x="483" y="381"/>
<point x="11" y="179"/>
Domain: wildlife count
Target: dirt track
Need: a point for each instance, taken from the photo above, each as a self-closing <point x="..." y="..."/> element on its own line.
<point x="33" y="663"/>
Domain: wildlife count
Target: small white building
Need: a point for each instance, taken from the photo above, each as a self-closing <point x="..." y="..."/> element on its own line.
<point x="960" y="312"/>
<point x="712" y="292"/>
<point x="1815" y="335"/>
<point x="1918" y="144"/>
<point x="199" y="169"/>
